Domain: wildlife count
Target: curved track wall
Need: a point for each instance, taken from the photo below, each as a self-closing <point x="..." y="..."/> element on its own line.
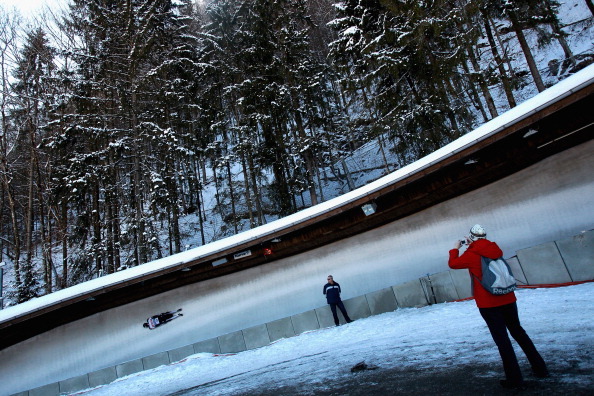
<point x="547" y="201"/>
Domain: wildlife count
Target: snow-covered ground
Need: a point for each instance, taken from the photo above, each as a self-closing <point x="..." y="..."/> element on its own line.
<point x="560" y="321"/>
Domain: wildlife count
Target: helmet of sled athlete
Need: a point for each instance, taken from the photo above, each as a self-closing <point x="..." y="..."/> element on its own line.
<point x="477" y="232"/>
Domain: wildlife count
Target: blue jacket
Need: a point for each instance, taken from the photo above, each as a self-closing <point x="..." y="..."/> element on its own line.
<point x="332" y="293"/>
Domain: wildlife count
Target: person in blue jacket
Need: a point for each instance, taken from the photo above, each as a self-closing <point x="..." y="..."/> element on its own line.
<point x="332" y="292"/>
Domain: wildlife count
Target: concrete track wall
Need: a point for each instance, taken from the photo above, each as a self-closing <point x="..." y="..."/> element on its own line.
<point x="549" y="201"/>
<point x="573" y="256"/>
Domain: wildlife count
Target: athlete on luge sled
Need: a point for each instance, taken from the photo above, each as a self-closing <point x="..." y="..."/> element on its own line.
<point x="162" y="318"/>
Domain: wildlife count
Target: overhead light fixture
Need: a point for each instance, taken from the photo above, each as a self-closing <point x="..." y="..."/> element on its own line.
<point x="470" y="162"/>
<point x="185" y="269"/>
<point x="276" y="240"/>
<point x="530" y="132"/>
<point x="369" y="208"/>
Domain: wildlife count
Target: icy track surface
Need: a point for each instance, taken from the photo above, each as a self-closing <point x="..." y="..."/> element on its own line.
<point x="560" y="321"/>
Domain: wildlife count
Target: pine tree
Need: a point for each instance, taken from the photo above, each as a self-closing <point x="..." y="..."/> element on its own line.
<point x="34" y="70"/>
<point x="519" y="13"/>
<point x="406" y="55"/>
<point x="128" y="132"/>
<point x="9" y="23"/>
<point x="270" y="82"/>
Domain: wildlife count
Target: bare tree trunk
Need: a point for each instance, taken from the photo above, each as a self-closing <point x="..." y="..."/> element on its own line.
<point x="112" y="220"/>
<point x="348" y="174"/>
<point x="272" y="135"/>
<point x="308" y="158"/>
<point x="173" y="192"/>
<point x="96" y="225"/>
<point x="64" y="232"/>
<point x="320" y="187"/>
<point x="109" y="224"/>
<point x="246" y="186"/>
<point x="559" y="34"/>
<point x="234" y="218"/>
<point x="245" y="170"/>
<point x="443" y="86"/>
<point x="46" y="243"/>
<point x="203" y="169"/>
<point x="318" y="158"/>
<point x="198" y="190"/>
<point x="590" y="5"/>
<point x="473" y="94"/>
<point x="117" y="236"/>
<point x="482" y="84"/>
<point x="383" y="153"/>
<point x="140" y="253"/>
<point x="217" y="190"/>
<point x="504" y="78"/>
<point x="256" y="191"/>
<point x="29" y="219"/>
<point x="566" y="50"/>
<point x="527" y="53"/>
<point x="9" y="40"/>
<point x="48" y="261"/>
<point x="505" y="57"/>
<point x="15" y="229"/>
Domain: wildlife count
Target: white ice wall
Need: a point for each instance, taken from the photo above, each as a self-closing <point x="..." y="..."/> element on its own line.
<point x="550" y="200"/>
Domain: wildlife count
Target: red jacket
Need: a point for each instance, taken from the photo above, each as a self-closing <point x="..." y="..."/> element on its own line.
<point x="471" y="259"/>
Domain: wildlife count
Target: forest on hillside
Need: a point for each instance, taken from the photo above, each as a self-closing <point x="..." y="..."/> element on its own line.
<point x="122" y="118"/>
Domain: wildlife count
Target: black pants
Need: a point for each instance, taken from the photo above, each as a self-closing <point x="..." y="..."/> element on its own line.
<point x="340" y="306"/>
<point x="165" y="316"/>
<point x="500" y="320"/>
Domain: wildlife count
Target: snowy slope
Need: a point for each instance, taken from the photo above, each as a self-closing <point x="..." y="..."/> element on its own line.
<point x="560" y="321"/>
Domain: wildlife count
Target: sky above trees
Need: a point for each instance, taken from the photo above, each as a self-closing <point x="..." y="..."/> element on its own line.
<point x="29" y="7"/>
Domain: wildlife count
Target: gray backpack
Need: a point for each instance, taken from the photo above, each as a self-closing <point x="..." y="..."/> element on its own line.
<point x="498" y="278"/>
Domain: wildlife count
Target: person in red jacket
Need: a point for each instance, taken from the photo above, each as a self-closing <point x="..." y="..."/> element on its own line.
<point x="500" y="312"/>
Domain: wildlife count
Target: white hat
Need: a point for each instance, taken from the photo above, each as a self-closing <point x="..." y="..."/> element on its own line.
<point x="477" y="232"/>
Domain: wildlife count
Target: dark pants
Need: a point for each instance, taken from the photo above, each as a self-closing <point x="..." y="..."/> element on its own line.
<point x="340" y="306"/>
<point x="165" y="316"/>
<point x="500" y="320"/>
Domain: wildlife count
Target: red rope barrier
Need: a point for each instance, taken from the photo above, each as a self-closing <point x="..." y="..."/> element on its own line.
<point x="538" y="286"/>
<point x="546" y="285"/>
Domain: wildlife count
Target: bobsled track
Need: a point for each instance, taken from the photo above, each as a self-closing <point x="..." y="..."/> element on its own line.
<point x="527" y="176"/>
